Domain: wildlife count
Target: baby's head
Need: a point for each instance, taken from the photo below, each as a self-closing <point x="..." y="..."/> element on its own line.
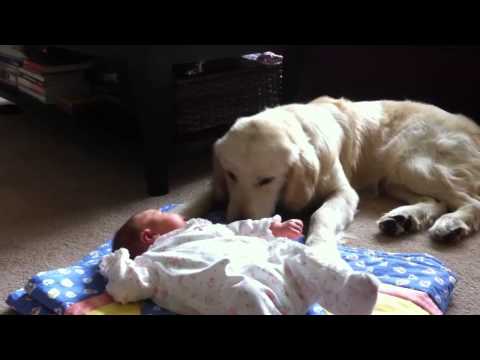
<point x="141" y="230"/>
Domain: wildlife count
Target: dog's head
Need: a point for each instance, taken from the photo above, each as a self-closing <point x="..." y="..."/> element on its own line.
<point x="263" y="160"/>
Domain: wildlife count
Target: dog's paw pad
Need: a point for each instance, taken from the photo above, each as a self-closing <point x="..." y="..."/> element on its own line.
<point x="395" y="225"/>
<point x="449" y="236"/>
<point x="449" y="229"/>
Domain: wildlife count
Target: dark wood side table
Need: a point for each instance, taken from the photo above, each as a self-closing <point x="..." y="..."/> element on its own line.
<point x="151" y="90"/>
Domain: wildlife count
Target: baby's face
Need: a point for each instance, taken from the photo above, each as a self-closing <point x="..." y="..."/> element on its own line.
<point x="158" y="222"/>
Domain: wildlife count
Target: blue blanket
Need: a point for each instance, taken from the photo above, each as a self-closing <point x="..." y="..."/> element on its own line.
<point x="54" y="291"/>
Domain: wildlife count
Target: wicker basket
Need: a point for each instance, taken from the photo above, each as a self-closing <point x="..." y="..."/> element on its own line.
<point x="223" y="93"/>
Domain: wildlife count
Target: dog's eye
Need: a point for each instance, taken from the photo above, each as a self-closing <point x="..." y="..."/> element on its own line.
<point x="231" y="176"/>
<point x="265" y="181"/>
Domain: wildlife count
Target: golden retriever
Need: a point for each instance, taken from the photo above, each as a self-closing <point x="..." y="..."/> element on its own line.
<point x="317" y="155"/>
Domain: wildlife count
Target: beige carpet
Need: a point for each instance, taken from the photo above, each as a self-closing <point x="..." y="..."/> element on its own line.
<point x="63" y="192"/>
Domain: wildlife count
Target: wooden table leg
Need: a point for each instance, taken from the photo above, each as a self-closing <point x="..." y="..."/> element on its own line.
<point x="151" y="84"/>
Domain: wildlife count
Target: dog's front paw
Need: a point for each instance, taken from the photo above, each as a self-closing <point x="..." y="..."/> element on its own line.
<point x="449" y="228"/>
<point x="395" y="225"/>
<point x="398" y="221"/>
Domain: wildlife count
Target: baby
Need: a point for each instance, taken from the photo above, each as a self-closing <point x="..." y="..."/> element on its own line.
<point x="246" y="267"/>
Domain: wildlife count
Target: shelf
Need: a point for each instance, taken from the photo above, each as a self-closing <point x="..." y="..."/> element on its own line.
<point x="24" y="101"/>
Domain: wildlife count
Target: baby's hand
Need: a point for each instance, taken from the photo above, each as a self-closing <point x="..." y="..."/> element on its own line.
<point x="113" y="262"/>
<point x="291" y="229"/>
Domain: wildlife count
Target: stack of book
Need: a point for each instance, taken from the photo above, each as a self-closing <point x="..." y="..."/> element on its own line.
<point x="49" y="87"/>
<point x="11" y="59"/>
<point x="49" y="74"/>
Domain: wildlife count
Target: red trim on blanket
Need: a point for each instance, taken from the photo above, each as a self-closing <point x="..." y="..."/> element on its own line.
<point x="419" y="298"/>
<point x="83" y="307"/>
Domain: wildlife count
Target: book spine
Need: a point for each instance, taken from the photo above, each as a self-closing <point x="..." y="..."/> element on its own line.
<point x="32" y="74"/>
<point x="8" y="75"/>
<point x="33" y="67"/>
<point x="32" y="80"/>
<point x="40" y="69"/>
<point x="32" y="86"/>
<point x="9" y="67"/>
<point x="27" y="91"/>
<point x="10" y="61"/>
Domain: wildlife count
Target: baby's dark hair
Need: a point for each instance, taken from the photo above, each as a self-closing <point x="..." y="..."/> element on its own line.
<point x="128" y="237"/>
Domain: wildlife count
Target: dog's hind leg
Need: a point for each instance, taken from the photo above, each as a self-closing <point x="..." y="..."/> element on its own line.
<point x="459" y="223"/>
<point x="419" y="215"/>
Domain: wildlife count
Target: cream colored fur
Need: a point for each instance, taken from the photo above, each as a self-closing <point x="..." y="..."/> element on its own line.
<point x="317" y="155"/>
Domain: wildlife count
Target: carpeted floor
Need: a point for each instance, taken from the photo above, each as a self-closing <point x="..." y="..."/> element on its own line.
<point x="65" y="191"/>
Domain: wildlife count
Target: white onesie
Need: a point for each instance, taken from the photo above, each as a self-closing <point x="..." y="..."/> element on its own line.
<point x="240" y="268"/>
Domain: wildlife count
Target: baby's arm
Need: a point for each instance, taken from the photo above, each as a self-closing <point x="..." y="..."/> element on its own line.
<point x="268" y="227"/>
<point x="127" y="281"/>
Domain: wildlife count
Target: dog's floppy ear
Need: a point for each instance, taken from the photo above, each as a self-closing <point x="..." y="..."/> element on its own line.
<point x="219" y="183"/>
<point x="302" y="178"/>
